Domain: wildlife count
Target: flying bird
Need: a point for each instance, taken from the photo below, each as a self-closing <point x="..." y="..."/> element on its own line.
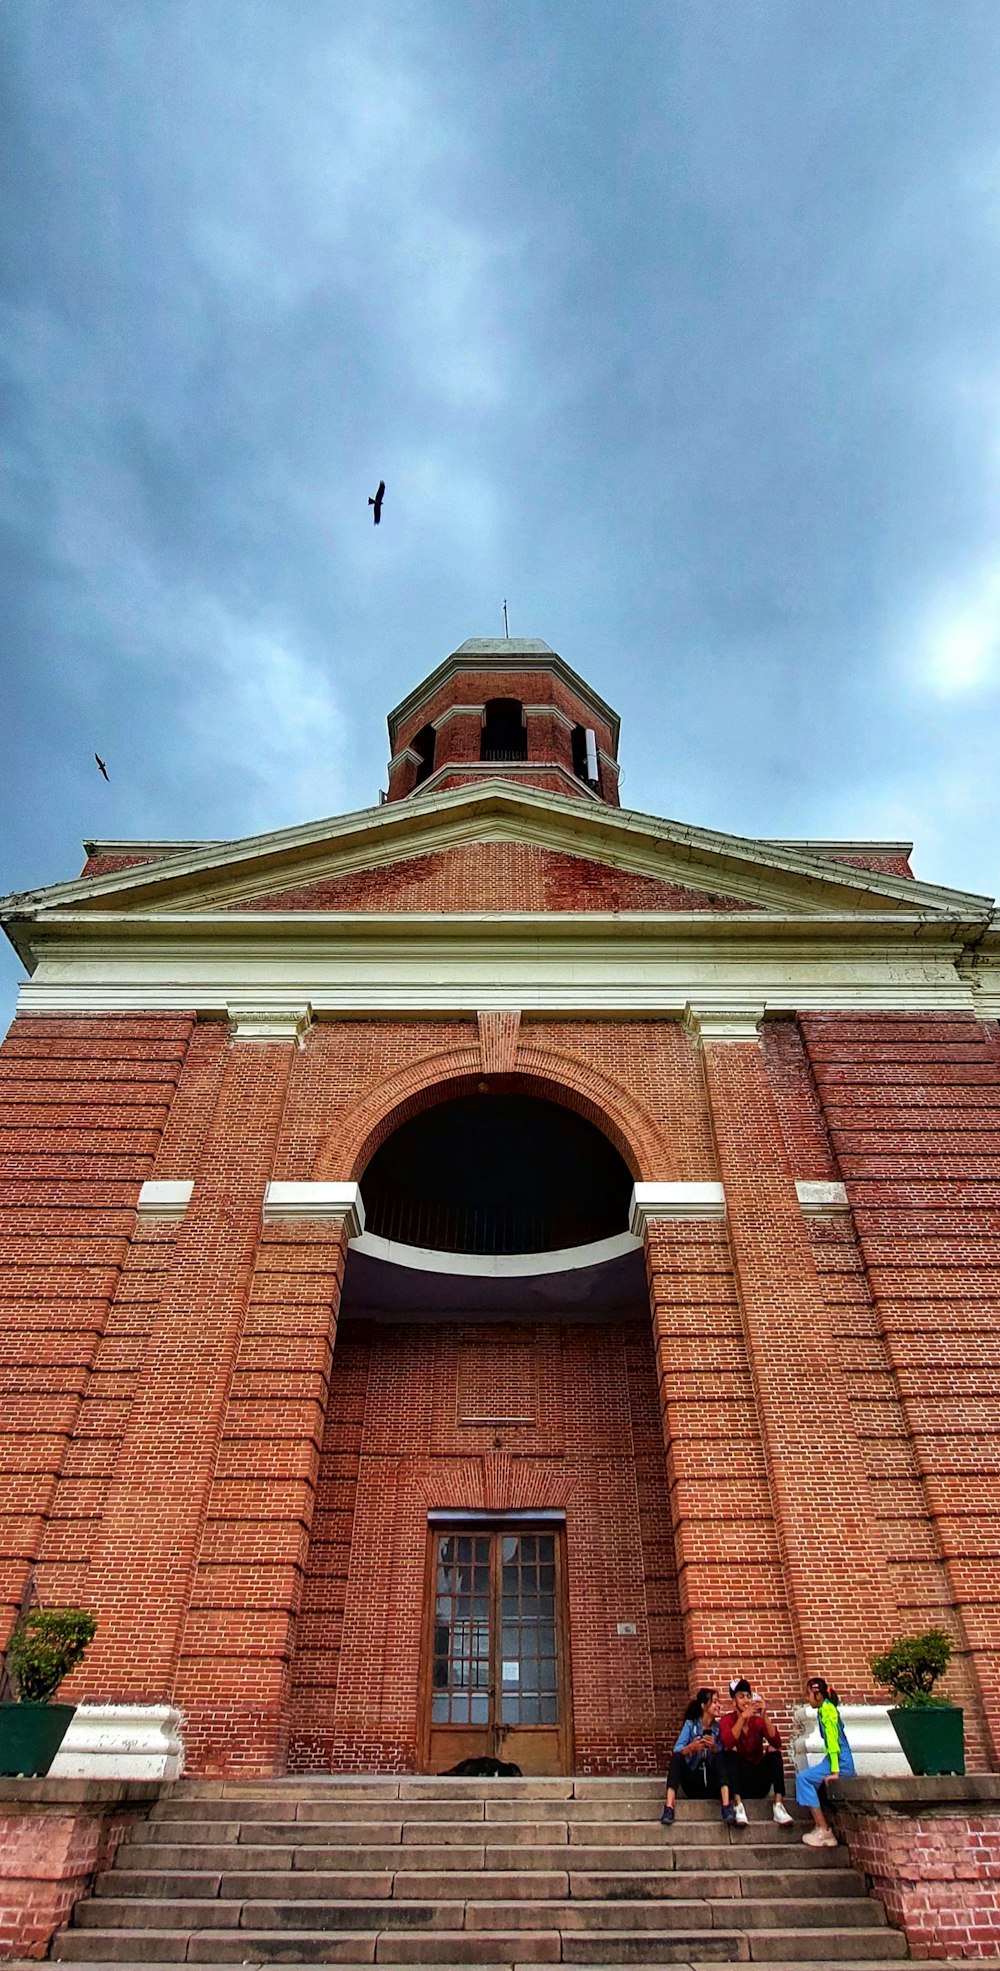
<point x="103" y="768"/>
<point x="377" y="502"/>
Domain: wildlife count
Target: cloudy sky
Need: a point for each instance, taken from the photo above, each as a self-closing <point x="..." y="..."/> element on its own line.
<point x="677" y="325"/>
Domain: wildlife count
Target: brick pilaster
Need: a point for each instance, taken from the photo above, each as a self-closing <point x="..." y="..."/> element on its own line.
<point x="832" y="1564"/>
<point x="141" y="1575"/>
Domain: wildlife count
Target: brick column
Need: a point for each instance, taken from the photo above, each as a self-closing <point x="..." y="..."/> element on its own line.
<point x="734" y="1604"/>
<point x="832" y="1564"/>
<point x="234" y="1678"/>
<point x="141" y="1574"/>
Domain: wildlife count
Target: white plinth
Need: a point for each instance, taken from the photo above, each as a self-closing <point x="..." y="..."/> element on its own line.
<point x="877" y="1751"/>
<point x="122" y="1741"/>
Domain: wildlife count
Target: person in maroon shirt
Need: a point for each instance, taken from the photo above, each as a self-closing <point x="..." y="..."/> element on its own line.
<point x="751" y="1746"/>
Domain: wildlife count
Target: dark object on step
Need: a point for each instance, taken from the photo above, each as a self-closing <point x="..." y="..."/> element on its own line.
<point x="482" y="1769"/>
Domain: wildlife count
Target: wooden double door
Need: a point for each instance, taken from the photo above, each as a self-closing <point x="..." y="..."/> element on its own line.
<point x="496" y="1675"/>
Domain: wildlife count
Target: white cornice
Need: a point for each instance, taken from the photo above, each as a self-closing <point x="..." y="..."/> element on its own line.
<point x="821" y="1199"/>
<point x="699" y="1200"/>
<point x="652" y="965"/>
<point x="734" y="1020"/>
<point x="317" y="1201"/>
<point x="162" y="1197"/>
<point x="498" y="809"/>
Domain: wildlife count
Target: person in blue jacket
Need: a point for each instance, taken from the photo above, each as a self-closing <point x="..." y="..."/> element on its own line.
<point x="697" y="1766"/>
<point x="839" y="1760"/>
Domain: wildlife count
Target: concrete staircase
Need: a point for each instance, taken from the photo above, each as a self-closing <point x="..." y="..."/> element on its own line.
<point x="441" y="1872"/>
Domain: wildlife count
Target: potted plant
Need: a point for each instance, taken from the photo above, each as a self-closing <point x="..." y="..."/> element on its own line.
<point x="45" y="1645"/>
<point x="929" y="1728"/>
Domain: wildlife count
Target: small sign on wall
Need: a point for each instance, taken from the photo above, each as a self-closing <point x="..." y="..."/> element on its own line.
<point x="627" y="1629"/>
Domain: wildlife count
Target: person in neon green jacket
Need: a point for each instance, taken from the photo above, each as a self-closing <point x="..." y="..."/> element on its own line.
<point x="839" y="1760"/>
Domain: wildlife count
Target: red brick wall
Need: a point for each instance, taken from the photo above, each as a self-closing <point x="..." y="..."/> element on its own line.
<point x="493" y="876"/>
<point x="396" y="1446"/>
<point x="938" y="1875"/>
<point x="48" y="1860"/>
<point x="548" y="738"/>
<point x="913" y="1110"/>
<point x="83" y="1105"/>
<point x="167" y="1435"/>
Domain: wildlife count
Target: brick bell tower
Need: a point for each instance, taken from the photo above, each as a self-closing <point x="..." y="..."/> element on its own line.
<point x="507" y="707"/>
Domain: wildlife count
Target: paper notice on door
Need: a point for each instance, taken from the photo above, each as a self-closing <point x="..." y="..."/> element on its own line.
<point x="512" y="1673"/>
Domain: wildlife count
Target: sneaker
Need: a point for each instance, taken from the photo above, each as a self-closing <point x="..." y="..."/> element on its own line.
<point x="740" y="1815"/>
<point x="667" y="1817"/>
<point x="780" y="1813"/>
<point x="729" y="1816"/>
<point x="821" y="1837"/>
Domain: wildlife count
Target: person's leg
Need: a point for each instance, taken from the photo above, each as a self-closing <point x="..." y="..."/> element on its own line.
<point x="717" y="1787"/>
<point x="675" y="1779"/>
<point x="772" y="1776"/>
<point x="740" y="1776"/>
<point x="807" y="1786"/>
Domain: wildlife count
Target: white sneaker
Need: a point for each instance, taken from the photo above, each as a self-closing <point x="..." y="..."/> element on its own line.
<point x="820" y="1838"/>
<point x="780" y="1813"/>
<point x="741" y="1814"/>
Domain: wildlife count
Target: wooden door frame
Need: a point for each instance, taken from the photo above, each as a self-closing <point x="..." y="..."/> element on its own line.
<point x="464" y="1521"/>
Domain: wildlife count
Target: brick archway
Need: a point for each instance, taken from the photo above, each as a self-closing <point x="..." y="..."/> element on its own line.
<point x="538" y="1071"/>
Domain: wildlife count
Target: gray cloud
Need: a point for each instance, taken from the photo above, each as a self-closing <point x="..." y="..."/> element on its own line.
<point x="677" y="326"/>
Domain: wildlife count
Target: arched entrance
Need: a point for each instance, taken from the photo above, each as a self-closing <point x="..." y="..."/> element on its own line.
<point x="485" y="1572"/>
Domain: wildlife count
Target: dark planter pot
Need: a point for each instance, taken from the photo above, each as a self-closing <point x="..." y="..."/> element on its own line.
<point x="30" y="1737"/>
<point x="932" y="1738"/>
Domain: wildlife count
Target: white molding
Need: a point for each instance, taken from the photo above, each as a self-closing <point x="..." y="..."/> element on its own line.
<point x="821" y="1199"/>
<point x="870" y="1735"/>
<point x="701" y="1200"/>
<point x="162" y="1197"/>
<point x="458" y="712"/>
<point x="308" y="1200"/>
<point x="495" y="809"/>
<point x="495" y="1266"/>
<point x="733" y="1022"/>
<point x="498" y="770"/>
<point x="562" y="966"/>
<point x="263" y="1022"/>
<point x="122" y="1741"/>
<point x="495" y="654"/>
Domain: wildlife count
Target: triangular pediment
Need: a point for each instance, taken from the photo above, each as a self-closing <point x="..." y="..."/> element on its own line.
<point x="535" y="852"/>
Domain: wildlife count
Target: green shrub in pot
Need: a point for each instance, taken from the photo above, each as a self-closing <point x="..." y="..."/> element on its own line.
<point x="930" y="1729"/>
<point x="46" y="1644"/>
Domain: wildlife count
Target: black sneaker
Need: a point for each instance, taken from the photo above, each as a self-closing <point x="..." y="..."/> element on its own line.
<point x="667" y="1817"/>
<point x="729" y="1816"/>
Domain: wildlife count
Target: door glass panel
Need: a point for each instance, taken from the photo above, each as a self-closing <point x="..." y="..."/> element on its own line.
<point x="529" y="1627"/>
<point x="494" y="1650"/>
<point x="461" y="1661"/>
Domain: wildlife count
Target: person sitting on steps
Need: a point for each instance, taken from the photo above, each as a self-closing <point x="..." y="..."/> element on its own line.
<point x="751" y="1743"/>
<point x="839" y="1759"/>
<point x="696" y="1766"/>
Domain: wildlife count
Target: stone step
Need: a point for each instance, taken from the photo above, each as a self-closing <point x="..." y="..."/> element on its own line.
<point x="112" y="1913"/>
<point x="479" y="1884"/>
<point x="416" y="1785"/>
<point x="491" y="1807"/>
<point x="528" y="1951"/>
<point x="337" y="1832"/>
<point x="741" y="1852"/>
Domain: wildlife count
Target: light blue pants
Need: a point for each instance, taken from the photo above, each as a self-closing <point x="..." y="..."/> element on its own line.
<point x="808" y="1782"/>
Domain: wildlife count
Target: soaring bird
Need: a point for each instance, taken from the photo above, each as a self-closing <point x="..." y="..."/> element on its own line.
<point x="377" y="502"/>
<point x="103" y="768"/>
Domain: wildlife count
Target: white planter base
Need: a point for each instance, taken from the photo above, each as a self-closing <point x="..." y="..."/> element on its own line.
<point x="122" y="1741"/>
<point x="877" y="1751"/>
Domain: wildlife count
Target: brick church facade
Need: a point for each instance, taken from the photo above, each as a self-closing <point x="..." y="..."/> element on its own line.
<point x="477" y="1268"/>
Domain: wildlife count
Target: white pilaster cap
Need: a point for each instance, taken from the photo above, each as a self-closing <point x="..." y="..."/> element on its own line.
<point x="701" y="1200"/>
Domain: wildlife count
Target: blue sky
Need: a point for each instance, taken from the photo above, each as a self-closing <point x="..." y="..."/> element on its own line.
<point x="676" y="324"/>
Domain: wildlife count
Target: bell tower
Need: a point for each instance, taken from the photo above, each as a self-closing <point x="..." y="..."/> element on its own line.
<point x="510" y="708"/>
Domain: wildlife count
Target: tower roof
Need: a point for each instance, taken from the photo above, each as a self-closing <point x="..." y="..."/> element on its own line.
<point x="513" y="653"/>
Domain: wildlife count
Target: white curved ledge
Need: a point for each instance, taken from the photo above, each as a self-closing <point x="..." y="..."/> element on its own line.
<point x="495" y="1266"/>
